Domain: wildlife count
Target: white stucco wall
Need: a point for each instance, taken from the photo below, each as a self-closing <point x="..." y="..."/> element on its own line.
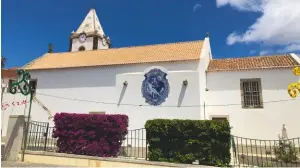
<point x="12" y="105"/>
<point x="265" y="123"/>
<point x="105" y="84"/>
<point x="206" y="56"/>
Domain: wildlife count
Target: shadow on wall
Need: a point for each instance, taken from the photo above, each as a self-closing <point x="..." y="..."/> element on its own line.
<point x="11" y="143"/>
<point x="122" y="93"/>
<point x="181" y="95"/>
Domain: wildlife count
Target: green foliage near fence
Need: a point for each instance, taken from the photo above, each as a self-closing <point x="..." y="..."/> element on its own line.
<point x="184" y="141"/>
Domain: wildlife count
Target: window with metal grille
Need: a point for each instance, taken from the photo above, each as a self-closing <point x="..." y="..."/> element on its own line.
<point x="219" y="118"/>
<point x="251" y="93"/>
<point x="33" y="84"/>
<point x="10" y="82"/>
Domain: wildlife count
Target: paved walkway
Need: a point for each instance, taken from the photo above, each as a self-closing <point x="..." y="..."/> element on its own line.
<point x="22" y="164"/>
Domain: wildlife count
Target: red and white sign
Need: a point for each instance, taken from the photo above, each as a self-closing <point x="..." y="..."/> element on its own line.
<point x="4" y="106"/>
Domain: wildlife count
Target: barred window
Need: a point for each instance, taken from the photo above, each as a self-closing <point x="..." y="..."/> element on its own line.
<point x="33" y="84"/>
<point x="219" y="118"/>
<point x="10" y="82"/>
<point x="251" y="93"/>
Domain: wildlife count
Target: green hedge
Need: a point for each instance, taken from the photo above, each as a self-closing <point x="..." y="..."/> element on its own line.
<point x="184" y="141"/>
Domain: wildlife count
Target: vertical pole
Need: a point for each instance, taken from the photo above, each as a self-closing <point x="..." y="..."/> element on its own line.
<point x="2" y="91"/>
<point x="146" y="146"/>
<point x="27" y="127"/>
<point x="2" y="113"/>
<point x="46" y="134"/>
<point x="204" y="111"/>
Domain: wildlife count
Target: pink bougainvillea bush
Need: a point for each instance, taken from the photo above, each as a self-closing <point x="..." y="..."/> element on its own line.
<point x="90" y="134"/>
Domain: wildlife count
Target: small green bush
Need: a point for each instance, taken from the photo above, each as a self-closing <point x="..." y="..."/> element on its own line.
<point x="184" y="141"/>
<point x="286" y="151"/>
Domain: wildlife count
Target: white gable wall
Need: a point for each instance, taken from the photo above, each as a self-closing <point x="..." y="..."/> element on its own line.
<point x="265" y="123"/>
<point x="203" y="65"/>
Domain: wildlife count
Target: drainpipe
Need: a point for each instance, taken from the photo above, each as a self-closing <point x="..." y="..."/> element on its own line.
<point x="205" y="94"/>
<point x="2" y="91"/>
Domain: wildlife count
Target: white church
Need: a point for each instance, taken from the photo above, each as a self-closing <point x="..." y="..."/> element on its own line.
<point x="174" y="80"/>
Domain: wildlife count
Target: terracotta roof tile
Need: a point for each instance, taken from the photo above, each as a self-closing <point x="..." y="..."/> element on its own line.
<point x="252" y="63"/>
<point x="182" y="51"/>
<point x="9" y="73"/>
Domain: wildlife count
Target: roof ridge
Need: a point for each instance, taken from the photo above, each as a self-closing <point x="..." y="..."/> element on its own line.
<point x="264" y="67"/>
<point x="245" y="57"/>
<point x="33" y="61"/>
<point x="148" y="45"/>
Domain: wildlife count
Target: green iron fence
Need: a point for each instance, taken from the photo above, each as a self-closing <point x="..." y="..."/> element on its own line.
<point x="246" y="152"/>
<point x="265" y="153"/>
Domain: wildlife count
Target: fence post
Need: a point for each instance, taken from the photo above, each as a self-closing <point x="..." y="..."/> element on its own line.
<point x="46" y="137"/>
<point x="146" y="146"/>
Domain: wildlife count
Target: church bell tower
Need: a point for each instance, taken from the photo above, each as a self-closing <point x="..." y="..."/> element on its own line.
<point x="89" y="35"/>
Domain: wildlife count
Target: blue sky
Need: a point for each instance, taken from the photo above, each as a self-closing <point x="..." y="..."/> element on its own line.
<point x="28" y="26"/>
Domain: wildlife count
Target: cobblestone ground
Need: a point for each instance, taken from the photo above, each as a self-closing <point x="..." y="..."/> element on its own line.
<point x="22" y="164"/>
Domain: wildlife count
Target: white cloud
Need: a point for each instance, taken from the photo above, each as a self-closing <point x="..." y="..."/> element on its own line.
<point x="196" y="6"/>
<point x="279" y="24"/>
<point x="252" y="51"/>
<point x="290" y="48"/>
<point x="243" y="5"/>
<point x="264" y="52"/>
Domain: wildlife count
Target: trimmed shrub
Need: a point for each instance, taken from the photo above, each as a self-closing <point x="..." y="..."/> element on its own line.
<point x="90" y="134"/>
<point x="185" y="141"/>
<point x="286" y="151"/>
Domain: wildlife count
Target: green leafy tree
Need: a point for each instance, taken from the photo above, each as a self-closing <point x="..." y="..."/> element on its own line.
<point x="3" y="61"/>
<point x="50" y="48"/>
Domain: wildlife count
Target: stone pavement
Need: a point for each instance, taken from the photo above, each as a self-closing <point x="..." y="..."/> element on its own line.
<point x="22" y="164"/>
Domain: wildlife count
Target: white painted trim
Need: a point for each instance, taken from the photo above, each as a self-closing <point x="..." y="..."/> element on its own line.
<point x="203" y="49"/>
<point x="293" y="55"/>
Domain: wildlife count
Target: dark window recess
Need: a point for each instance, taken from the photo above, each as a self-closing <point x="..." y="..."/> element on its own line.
<point x="219" y="118"/>
<point x="251" y="93"/>
<point x="10" y="82"/>
<point x="95" y="43"/>
<point x="81" y="48"/>
<point x="32" y="84"/>
<point x="94" y="112"/>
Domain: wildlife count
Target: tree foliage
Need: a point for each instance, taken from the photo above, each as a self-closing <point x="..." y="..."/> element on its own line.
<point x="3" y="62"/>
<point x="50" y="48"/>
